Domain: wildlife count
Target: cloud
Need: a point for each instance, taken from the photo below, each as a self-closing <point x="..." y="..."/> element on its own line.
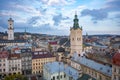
<point x="97" y="14"/>
<point x="58" y="18"/>
<point x="8" y="13"/>
<point x="27" y="9"/>
<point x="33" y="20"/>
<point x="57" y="2"/>
<point x="2" y="29"/>
<point x="102" y="13"/>
<point x="113" y="5"/>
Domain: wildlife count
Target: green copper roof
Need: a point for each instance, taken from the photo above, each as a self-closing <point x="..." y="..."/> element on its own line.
<point x="76" y="23"/>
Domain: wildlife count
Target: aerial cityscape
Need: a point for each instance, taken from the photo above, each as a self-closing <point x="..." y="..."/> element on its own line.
<point x="60" y="40"/>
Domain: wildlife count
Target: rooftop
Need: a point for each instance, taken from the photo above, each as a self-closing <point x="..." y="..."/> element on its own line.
<point x="62" y="41"/>
<point x="105" y="69"/>
<point x="116" y="59"/>
<point x="55" y="67"/>
<point x="86" y="77"/>
<point x="41" y="54"/>
<point x="14" y="56"/>
<point x="4" y="54"/>
<point x="12" y="41"/>
<point x="52" y="42"/>
<point x="60" y="49"/>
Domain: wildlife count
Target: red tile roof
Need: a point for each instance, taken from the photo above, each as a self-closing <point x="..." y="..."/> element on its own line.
<point x="16" y="48"/>
<point x="4" y="54"/>
<point x="14" y="56"/>
<point x="53" y="43"/>
<point x="116" y="59"/>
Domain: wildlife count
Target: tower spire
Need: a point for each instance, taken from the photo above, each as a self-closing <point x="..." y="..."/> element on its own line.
<point x="75" y="24"/>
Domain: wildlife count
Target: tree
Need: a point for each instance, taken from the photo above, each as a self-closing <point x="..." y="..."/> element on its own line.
<point x="15" y="77"/>
<point x="50" y="47"/>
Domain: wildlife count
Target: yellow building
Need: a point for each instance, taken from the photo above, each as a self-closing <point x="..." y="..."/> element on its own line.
<point x="39" y="58"/>
<point x="76" y="37"/>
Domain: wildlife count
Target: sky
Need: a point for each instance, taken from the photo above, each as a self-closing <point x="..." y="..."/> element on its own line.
<point x="56" y="16"/>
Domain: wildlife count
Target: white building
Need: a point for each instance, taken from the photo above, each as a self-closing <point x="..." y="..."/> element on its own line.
<point x="10" y="29"/>
<point x="3" y="63"/>
<point x="14" y="64"/>
<point x="59" y="71"/>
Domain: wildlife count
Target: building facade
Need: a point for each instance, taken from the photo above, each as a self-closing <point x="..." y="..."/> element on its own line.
<point x="39" y="58"/>
<point x="10" y="29"/>
<point x="95" y="70"/>
<point x="12" y="42"/>
<point x="26" y="57"/>
<point x="3" y="63"/>
<point x="116" y="67"/>
<point x="53" y="45"/>
<point x="76" y="37"/>
<point x="14" y="64"/>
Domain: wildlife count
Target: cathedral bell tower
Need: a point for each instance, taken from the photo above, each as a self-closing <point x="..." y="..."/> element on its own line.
<point x="76" y="37"/>
<point x="10" y="29"/>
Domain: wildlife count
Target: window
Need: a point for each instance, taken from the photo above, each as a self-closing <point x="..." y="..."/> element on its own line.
<point x="73" y="39"/>
<point x="61" y="76"/>
<point x="53" y="78"/>
<point x="100" y="77"/>
<point x="64" y="75"/>
<point x="114" y="69"/>
<point x="4" y="70"/>
<point x="57" y="77"/>
<point x="95" y="74"/>
<point x="119" y="71"/>
<point x="114" y="77"/>
<point x="118" y="78"/>
<point x="78" y="39"/>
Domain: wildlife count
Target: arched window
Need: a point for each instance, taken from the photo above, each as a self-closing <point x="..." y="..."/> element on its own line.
<point x="73" y="39"/>
<point x="78" y="39"/>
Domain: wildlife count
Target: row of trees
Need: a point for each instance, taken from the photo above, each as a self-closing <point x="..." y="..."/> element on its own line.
<point x="15" y="77"/>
